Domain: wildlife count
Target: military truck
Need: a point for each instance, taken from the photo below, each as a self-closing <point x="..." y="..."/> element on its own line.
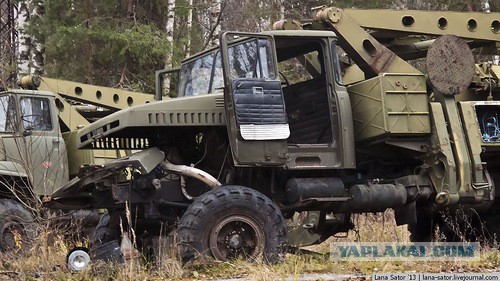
<point x="37" y="150"/>
<point x="277" y="138"/>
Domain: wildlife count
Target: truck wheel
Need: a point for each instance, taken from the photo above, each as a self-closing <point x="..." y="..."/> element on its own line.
<point x="108" y="228"/>
<point x="103" y="232"/>
<point x="17" y="226"/>
<point x="105" y="243"/>
<point x="232" y="222"/>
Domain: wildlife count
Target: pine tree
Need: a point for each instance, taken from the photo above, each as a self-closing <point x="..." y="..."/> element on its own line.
<point x="112" y="43"/>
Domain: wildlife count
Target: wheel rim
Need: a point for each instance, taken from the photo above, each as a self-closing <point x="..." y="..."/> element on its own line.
<point x="236" y="236"/>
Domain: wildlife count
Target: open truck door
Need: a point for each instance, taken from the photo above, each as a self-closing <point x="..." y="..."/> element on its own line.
<point x="254" y="105"/>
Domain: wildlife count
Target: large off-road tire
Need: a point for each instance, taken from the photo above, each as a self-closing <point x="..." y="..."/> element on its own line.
<point x="108" y="233"/>
<point x="232" y="222"/>
<point x="105" y="243"/>
<point x="103" y="232"/>
<point x="17" y="226"/>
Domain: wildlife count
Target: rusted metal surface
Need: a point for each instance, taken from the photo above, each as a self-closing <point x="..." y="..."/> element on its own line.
<point x="287" y="24"/>
<point x="450" y="65"/>
<point x="370" y="55"/>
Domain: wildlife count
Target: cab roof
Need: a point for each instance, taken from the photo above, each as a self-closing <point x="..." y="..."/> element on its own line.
<point x="28" y="92"/>
<point x="300" y="33"/>
<point x="278" y="33"/>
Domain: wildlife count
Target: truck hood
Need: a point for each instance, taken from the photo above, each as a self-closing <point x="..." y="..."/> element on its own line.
<point x="110" y="132"/>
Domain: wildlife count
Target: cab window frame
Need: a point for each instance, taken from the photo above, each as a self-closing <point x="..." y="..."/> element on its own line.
<point x="44" y="123"/>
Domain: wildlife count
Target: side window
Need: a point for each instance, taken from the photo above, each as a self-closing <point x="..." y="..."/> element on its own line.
<point x="195" y="76"/>
<point x="35" y="114"/>
<point x="252" y="59"/>
<point x="8" y="116"/>
<point x="301" y="68"/>
<point x="337" y="63"/>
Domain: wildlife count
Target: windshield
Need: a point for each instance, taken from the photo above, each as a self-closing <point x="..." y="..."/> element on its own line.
<point x="201" y="76"/>
<point x="8" y="117"/>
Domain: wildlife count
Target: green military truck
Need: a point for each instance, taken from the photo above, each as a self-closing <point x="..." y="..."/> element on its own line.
<point x="37" y="147"/>
<point x="312" y="122"/>
<point x="33" y="159"/>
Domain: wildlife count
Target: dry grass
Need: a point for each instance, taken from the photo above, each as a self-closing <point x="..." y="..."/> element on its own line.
<point x="46" y="260"/>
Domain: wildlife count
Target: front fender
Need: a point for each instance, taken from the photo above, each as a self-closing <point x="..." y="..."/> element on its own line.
<point x="12" y="169"/>
<point x="76" y="194"/>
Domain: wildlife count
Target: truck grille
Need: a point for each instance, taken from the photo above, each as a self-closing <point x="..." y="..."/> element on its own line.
<point x="120" y="143"/>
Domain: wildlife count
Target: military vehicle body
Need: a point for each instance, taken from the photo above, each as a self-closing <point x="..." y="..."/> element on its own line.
<point x="37" y="150"/>
<point x="278" y="125"/>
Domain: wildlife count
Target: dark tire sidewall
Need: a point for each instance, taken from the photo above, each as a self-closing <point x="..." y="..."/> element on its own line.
<point x="214" y="206"/>
<point x="14" y="215"/>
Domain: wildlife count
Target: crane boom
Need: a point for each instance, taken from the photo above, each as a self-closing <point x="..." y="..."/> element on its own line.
<point x="476" y="26"/>
<point x="378" y="45"/>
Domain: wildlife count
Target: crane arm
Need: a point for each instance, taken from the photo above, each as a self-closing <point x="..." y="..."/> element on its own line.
<point x="106" y="97"/>
<point x="379" y="41"/>
<point x="394" y="23"/>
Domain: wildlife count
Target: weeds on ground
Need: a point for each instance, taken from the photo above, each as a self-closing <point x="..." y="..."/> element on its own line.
<point x="46" y="260"/>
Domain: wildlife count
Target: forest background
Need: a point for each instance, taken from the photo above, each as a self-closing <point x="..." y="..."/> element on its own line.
<point x="120" y="43"/>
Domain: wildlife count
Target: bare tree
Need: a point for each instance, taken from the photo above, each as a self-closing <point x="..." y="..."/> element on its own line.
<point x="169" y="28"/>
<point x="189" y="25"/>
<point x="215" y="16"/>
<point x="30" y="52"/>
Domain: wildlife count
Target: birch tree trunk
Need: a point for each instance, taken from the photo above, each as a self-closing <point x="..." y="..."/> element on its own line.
<point x="30" y="59"/>
<point x="486" y="6"/>
<point x="37" y="54"/>
<point x="189" y="26"/>
<point x="215" y="11"/>
<point x="169" y="28"/>
<point x="8" y="40"/>
<point x="131" y="9"/>
<point x="264" y="20"/>
<point x="282" y="9"/>
<point x="203" y="18"/>
<point x="23" y="46"/>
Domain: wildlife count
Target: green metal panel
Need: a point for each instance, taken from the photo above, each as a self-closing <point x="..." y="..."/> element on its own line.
<point x="442" y="168"/>
<point x="474" y="141"/>
<point x="458" y="140"/>
<point x="465" y="24"/>
<point x="390" y="104"/>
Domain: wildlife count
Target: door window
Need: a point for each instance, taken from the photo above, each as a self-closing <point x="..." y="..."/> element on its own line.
<point x="252" y="59"/>
<point x="35" y="114"/>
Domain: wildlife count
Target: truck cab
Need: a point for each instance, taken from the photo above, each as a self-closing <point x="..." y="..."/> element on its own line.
<point x="32" y="150"/>
<point x="289" y="82"/>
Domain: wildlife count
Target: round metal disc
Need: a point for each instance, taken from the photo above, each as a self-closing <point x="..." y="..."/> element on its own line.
<point x="450" y="65"/>
<point x="78" y="260"/>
